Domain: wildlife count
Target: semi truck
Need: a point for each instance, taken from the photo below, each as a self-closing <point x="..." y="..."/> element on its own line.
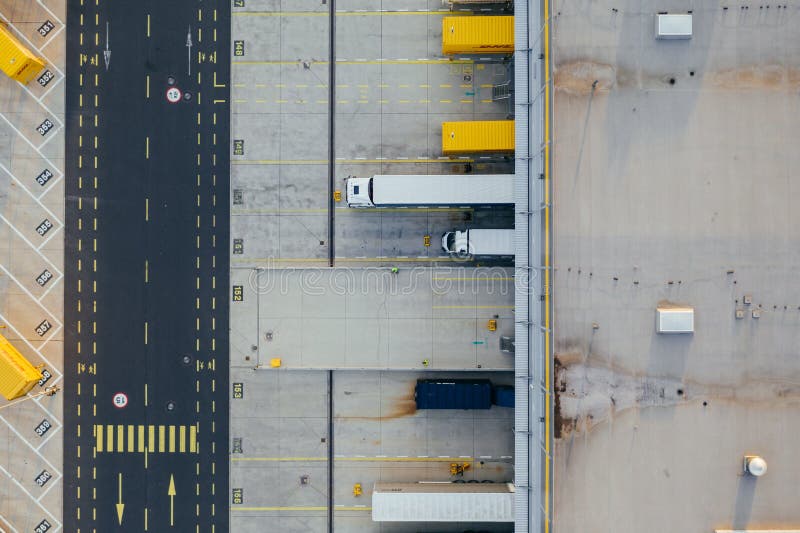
<point x="430" y="190"/>
<point x="478" y="137"/>
<point x="16" y="60"/>
<point x="478" y="35"/>
<point x="17" y="374"/>
<point x="478" y="242"/>
<point x="432" y="501"/>
<point x="461" y="394"/>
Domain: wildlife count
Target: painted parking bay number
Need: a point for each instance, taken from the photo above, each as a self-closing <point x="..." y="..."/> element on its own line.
<point x="43" y="427"/>
<point x="46" y="375"/>
<point x="44" y="177"/>
<point x="43" y="328"/>
<point x="44" y="227"/>
<point x="45" y="78"/>
<point x="43" y="478"/>
<point x="44" y="277"/>
<point x="44" y="127"/>
<point x="46" y="28"/>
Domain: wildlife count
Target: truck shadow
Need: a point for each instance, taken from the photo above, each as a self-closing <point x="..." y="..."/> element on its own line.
<point x="744" y="502"/>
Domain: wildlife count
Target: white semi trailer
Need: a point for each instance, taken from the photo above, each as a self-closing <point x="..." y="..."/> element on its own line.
<point x="472" y="242"/>
<point x="442" y="502"/>
<point x="431" y="190"/>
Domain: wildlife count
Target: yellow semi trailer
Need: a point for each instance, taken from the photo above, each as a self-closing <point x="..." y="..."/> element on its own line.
<point x="17" y="375"/>
<point x="476" y="137"/>
<point x="16" y="60"/>
<point x="478" y="35"/>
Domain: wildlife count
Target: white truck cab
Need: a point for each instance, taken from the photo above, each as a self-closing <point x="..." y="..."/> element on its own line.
<point x="472" y="242"/>
<point x="359" y="192"/>
<point x="456" y="243"/>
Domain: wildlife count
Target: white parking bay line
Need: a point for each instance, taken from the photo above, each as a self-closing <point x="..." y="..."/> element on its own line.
<point x="53" y="483"/>
<point x="31" y="296"/>
<point x="24" y="138"/>
<point x="47" y="239"/>
<point x="34" y="500"/>
<point x="50" y="11"/>
<point x="42" y="457"/>
<point x="51" y="337"/>
<point x="33" y="196"/>
<point x="50" y="288"/>
<point x="53" y="85"/>
<point x="50" y="135"/>
<point x="51" y="185"/>
<point x="34" y="248"/>
<point x="53" y="431"/>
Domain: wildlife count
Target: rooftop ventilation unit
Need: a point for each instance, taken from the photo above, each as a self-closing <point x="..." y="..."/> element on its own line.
<point x="675" y="320"/>
<point x="673" y="26"/>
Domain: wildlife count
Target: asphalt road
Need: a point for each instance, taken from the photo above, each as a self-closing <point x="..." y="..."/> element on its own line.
<point x="146" y="295"/>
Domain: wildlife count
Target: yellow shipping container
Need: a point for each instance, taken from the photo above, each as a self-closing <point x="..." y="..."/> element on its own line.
<point x="17" y="375"/>
<point x="477" y="35"/>
<point x="488" y="136"/>
<point x="15" y="59"/>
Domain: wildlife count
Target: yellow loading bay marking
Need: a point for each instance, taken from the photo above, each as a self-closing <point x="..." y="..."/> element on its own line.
<point x="141" y="438"/>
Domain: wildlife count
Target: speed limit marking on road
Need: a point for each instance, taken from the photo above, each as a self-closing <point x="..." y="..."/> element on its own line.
<point x="174" y="95"/>
<point x="120" y="400"/>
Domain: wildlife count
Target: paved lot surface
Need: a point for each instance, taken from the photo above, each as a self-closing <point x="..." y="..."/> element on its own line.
<point x="31" y="268"/>
<point x="370" y="318"/>
<point x="146" y="292"/>
<point x="675" y="182"/>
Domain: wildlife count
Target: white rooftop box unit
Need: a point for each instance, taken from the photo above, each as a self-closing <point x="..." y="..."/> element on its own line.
<point x="673" y="26"/>
<point x="674" y="319"/>
<point x="443" y="502"/>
